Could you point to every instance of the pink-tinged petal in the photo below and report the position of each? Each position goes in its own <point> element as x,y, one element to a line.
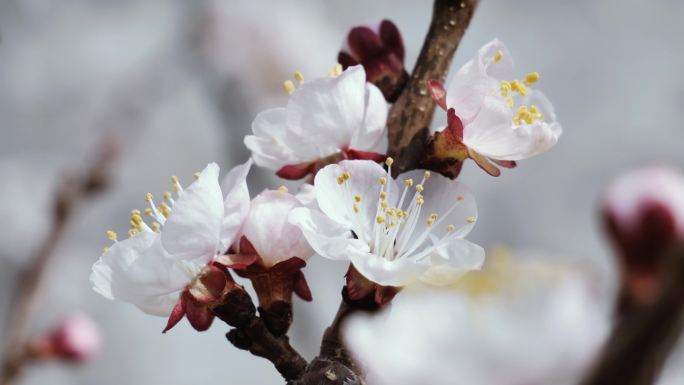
<point>325,113</point>
<point>267,227</point>
<point>451,260</point>
<point>269,144</point>
<point>193,228</point>
<point>328,238</point>
<point>295,171</point>
<point>479,77</point>
<point>484,163</point>
<point>236,261</point>
<point>199,315</point>
<point>438,93</point>
<point>391,38</point>
<point>364,43</point>
<point>301,287</point>
<point>365,155</point>
<point>177,314</point>
<point>235,203</point>
<point>372,129</point>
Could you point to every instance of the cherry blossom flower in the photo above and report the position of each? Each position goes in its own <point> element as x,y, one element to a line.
<point>644,216</point>
<point>392,236</point>
<point>77,338</point>
<point>326,120</point>
<point>379,47</point>
<point>534,324</point>
<point>168,268</point>
<point>273,252</point>
<point>493,117</point>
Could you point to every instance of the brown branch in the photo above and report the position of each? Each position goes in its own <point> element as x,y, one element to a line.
<point>411,115</point>
<point>28,287</point>
<point>251,334</point>
<point>643,339</point>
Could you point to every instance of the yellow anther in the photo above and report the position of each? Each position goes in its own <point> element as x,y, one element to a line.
<point>283,189</point>
<point>196,175</point>
<point>383,195</point>
<point>420,188</point>
<point>426,174</point>
<point>531,78</point>
<point>288,86</point>
<point>167,196</point>
<point>383,180</point>
<point>384,204</point>
<point>136,218</point>
<point>471,220</point>
<point>430,221</point>
<point>509,101</point>
<point>498,55</point>
<point>155,227</point>
<point>392,224</point>
<point>380,219</point>
<point>299,77</point>
<point>338,69</point>
<point>357,198</point>
<point>408,182</point>
<point>135,212</point>
<point>346,175</point>
<point>420,200</point>
<point>433,215</point>
<point>148,212</point>
<point>533,109</point>
<point>174,179</point>
<point>505,88</point>
<point>164,209</point>
<point>451,228</point>
<point>111,235</point>
<point>356,208</point>
<point>132,232</point>
<point>460,197</point>
<point>522,89</point>
<point>105,249</point>
<point>389,161</point>
<point>340,180</point>
<point>149,197</point>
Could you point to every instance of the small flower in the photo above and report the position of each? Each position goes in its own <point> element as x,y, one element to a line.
<point>326,120</point>
<point>644,215</point>
<point>493,117</point>
<point>167,268</point>
<point>533,323</point>
<point>393,231</point>
<point>274,252</point>
<point>76,338</point>
<point>379,47</point>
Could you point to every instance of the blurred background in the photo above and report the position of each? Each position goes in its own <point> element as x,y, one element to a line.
<point>177,84</point>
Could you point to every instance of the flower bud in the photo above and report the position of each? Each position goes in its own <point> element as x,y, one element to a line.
<point>76,339</point>
<point>380,49</point>
<point>644,216</point>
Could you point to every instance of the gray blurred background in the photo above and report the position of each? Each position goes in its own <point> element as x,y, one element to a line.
<point>178,83</point>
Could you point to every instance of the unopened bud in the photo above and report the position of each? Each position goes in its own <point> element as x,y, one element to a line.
<point>77,339</point>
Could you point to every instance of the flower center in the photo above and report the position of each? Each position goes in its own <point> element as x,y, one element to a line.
<point>393,229</point>
<point>523,113</point>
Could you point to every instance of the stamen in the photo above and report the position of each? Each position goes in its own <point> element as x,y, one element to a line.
<point>380,219</point>
<point>346,175</point>
<point>105,249</point>
<point>356,208</point>
<point>111,235</point>
<point>156,227</point>
<point>383,181</point>
<point>471,220</point>
<point>408,182</point>
<point>196,175</point>
<point>383,195</point>
<point>135,212</point>
<point>340,180</point>
<point>288,86</point>
<point>451,228</point>
<point>283,189</point>
<point>505,88</point>
<point>357,198</point>
<point>132,232</point>
<point>531,78</point>
<point>148,212</point>
<point>389,161</point>
<point>497,56</point>
<point>460,197</point>
<point>420,188</point>
<point>426,175</point>
<point>299,77</point>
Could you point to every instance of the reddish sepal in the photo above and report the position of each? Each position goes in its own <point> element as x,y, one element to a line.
<point>295,171</point>
<point>365,155</point>
<point>177,314</point>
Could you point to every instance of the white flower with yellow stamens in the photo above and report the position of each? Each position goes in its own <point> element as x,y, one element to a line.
<point>327,119</point>
<point>393,232</point>
<point>503,118</point>
<point>160,260</point>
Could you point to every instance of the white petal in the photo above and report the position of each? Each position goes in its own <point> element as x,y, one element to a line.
<point>269,143</point>
<point>267,228</point>
<point>400,272</point>
<point>307,195</point>
<point>235,203</point>
<point>337,200</point>
<point>192,230</point>
<point>328,111</point>
<point>478,78</point>
<point>137,271</point>
<point>328,238</point>
<point>493,134</point>
<point>451,260</point>
<point>374,121</point>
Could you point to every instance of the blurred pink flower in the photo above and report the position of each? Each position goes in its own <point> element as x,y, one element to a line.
<point>76,338</point>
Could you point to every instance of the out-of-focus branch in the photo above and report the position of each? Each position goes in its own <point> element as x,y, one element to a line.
<point>68,197</point>
<point>251,334</point>
<point>644,338</point>
<point>411,115</point>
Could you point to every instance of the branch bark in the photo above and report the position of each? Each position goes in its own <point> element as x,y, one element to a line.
<point>643,339</point>
<point>26,293</point>
<point>411,115</point>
